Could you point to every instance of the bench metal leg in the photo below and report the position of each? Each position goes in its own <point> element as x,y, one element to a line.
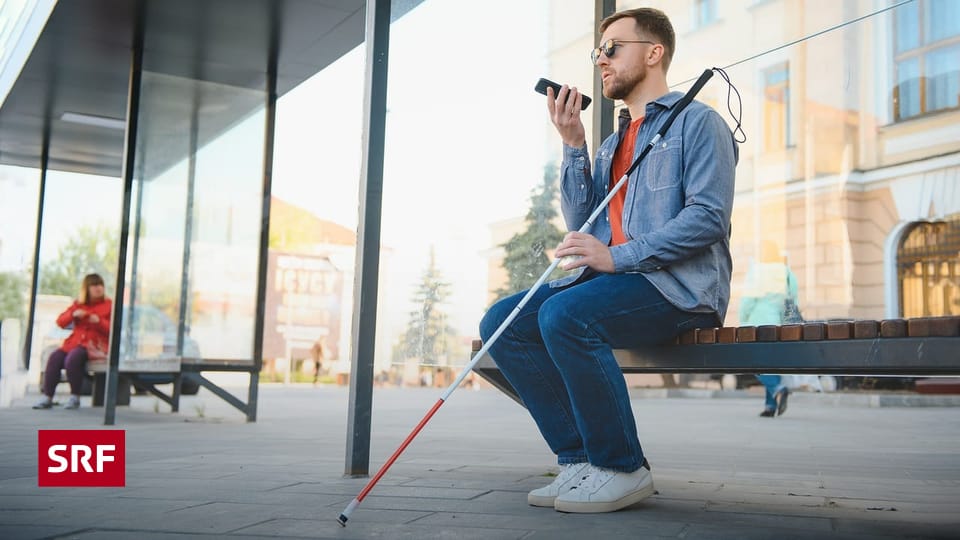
<point>99,388</point>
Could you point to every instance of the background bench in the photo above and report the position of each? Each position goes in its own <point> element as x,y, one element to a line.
<point>898,347</point>
<point>95,373</point>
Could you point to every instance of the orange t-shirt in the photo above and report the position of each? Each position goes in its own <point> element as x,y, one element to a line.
<point>622,159</point>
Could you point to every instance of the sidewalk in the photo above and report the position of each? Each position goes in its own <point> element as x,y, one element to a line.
<point>826,469</point>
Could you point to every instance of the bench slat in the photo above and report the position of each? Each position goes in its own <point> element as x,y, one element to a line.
<point>896,347</point>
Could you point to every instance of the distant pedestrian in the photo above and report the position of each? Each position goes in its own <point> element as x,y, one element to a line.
<point>317,353</point>
<point>770,297</point>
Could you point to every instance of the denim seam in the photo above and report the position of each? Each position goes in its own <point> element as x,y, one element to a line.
<point>571,426</point>
<point>609,384</point>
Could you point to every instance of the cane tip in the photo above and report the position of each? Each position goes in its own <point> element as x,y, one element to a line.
<point>342,520</point>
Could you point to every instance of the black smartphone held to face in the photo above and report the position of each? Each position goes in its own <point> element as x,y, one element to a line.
<point>543,84</point>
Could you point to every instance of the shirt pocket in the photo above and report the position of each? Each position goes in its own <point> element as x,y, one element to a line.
<point>664,164</point>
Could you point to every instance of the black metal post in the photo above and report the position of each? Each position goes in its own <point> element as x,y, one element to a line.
<point>602,108</point>
<point>187,242</point>
<point>35,277</point>
<point>365,287</point>
<point>270,123</point>
<point>129,159</point>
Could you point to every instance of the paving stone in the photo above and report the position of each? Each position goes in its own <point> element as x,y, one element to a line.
<point>835,466</point>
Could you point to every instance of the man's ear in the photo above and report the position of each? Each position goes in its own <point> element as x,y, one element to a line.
<point>655,55</point>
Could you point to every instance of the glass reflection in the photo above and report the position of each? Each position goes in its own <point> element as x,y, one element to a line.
<point>194,242</point>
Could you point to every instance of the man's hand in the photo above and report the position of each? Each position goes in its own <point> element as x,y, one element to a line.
<point>93,318</point>
<point>79,313</point>
<point>565,115</point>
<point>591,252</point>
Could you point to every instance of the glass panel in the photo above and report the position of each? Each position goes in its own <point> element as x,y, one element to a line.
<point>907,22</point>
<point>943,78</point>
<point>81,230</point>
<point>194,242</point>
<point>828,203</point>
<point>776,108</point>
<point>313,221</point>
<point>19,193</point>
<point>907,101</point>
<point>942,20</point>
<point>463,158</point>
<point>459,185</point>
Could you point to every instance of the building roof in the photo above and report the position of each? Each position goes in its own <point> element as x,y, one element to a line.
<point>208,57</point>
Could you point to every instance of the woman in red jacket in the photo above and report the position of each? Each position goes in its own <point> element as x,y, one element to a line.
<point>90,316</point>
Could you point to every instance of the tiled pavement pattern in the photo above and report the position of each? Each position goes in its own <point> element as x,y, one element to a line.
<point>833,466</point>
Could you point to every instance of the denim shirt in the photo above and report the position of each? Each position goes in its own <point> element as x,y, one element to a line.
<point>676,216</point>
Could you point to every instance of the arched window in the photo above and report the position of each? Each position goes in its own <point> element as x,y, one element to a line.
<point>928,268</point>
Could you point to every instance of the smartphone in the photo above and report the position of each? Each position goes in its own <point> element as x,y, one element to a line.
<point>543,84</point>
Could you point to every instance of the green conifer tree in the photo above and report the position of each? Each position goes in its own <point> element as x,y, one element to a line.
<point>428,334</point>
<point>526,256</point>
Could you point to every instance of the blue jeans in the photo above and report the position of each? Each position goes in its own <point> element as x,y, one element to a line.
<point>558,355</point>
<point>772,385</point>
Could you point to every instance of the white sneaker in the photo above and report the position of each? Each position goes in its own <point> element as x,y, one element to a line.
<point>603,490</point>
<point>44,403</point>
<point>569,476</point>
<point>73,402</point>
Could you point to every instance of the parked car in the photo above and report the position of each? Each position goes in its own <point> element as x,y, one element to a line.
<point>153,325</point>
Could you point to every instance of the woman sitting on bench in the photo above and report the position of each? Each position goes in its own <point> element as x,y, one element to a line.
<point>90,317</point>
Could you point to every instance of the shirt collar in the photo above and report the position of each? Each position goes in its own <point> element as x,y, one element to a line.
<point>666,101</point>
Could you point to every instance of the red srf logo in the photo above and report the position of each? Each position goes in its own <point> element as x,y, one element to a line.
<point>81,458</point>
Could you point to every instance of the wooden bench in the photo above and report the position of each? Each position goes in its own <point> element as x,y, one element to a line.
<point>898,347</point>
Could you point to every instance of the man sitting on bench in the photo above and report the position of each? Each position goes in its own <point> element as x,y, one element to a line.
<point>657,266</point>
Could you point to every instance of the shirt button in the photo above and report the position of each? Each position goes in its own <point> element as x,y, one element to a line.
<point>582,186</point>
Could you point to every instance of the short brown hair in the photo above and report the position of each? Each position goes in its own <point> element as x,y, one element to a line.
<point>649,21</point>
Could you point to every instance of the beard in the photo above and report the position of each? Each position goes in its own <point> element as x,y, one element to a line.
<point>619,87</point>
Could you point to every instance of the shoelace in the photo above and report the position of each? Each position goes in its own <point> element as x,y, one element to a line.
<point>593,478</point>
<point>568,471</point>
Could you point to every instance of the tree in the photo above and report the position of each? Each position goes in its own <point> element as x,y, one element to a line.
<point>13,288</point>
<point>428,334</point>
<point>90,250</point>
<point>526,256</point>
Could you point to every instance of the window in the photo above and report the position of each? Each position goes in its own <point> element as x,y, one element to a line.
<point>704,13</point>
<point>926,56</point>
<point>776,108</point>
<point>929,269</point>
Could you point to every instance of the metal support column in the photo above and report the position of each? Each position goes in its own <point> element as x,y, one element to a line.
<point>129,160</point>
<point>270,123</point>
<point>602,108</point>
<point>365,287</point>
<point>187,242</point>
<point>35,277</point>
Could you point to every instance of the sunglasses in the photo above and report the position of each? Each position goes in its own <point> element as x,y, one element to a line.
<point>609,47</point>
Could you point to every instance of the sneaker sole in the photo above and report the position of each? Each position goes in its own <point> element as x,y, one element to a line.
<point>540,500</point>
<point>577,507</point>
